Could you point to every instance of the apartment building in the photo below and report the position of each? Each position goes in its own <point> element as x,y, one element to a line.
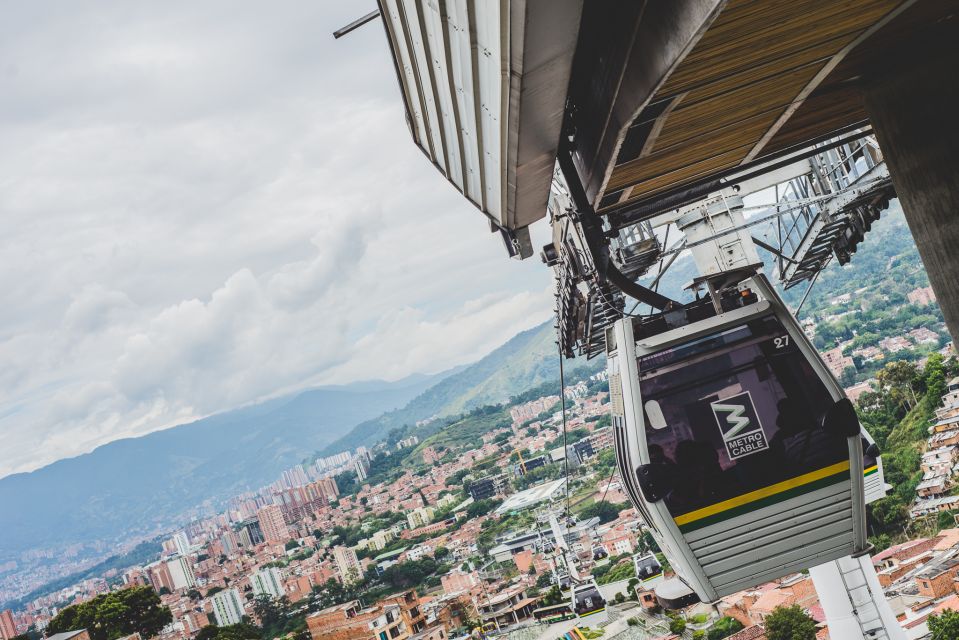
<point>227,607</point>
<point>268,582</point>
<point>347,565</point>
<point>396,618</point>
<point>272,524</point>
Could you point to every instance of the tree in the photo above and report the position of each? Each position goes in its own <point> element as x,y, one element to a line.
<point>899,377</point>
<point>677,625</point>
<point>649,542</point>
<point>631,587</point>
<point>208,632</point>
<point>553,596</point>
<point>790,623</point>
<point>607,512</point>
<point>848,376</point>
<point>409,574</point>
<point>242,631</point>
<point>945,626</point>
<point>456,479</point>
<point>347,483</point>
<point>115,614</point>
<point>270,610</point>
<point>331,593</point>
<point>724,627</point>
<point>481,507</point>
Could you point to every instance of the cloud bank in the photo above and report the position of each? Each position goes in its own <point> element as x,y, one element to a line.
<point>207,205</point>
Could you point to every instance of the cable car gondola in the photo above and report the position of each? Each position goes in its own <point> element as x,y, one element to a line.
<point>648,570</point>
<point>588,602</point>
<point>736,443</point>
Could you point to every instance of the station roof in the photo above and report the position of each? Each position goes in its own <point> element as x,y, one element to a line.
<point>532,496</point>
<point>66,635</point>
<point>753,78</point>
<point>389,555</point>
<point>657,96</point>
<point>484,85</point>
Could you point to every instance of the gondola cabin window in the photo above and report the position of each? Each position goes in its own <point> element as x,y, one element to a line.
<point>735,412</point>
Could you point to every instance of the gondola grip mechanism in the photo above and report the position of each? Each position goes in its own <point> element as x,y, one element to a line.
<point>841,419</point>
<point>654,481</point>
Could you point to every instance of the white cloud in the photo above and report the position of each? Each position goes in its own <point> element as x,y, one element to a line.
<point>207,203</point>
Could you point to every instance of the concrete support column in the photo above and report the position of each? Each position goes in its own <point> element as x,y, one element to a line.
<point>913,102</point>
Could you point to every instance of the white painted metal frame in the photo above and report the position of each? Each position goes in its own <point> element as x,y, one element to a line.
<point>673,542</point>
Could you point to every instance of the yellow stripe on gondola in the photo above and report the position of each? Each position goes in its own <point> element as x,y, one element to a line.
<point>760,494</point>
<point>874,468</point>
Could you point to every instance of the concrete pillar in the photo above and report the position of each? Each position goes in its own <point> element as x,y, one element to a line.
<point>912,98</point>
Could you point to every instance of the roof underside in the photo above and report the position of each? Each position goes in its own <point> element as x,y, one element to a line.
<point>663,95</point>
<point>761,77</point>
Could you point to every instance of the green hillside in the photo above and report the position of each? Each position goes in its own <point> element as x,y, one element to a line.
<point>530,358</point>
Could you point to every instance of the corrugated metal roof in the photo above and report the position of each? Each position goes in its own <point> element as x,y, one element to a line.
<point>484,83</point>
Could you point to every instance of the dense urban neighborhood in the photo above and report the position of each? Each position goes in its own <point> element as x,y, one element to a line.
<point>444,527</point>
<point>449,534</point>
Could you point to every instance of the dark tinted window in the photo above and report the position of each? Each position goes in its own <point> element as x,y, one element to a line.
<point>867,460</point>
<point>735,411</point>
<point>647,567</point>
<point>587,598</point>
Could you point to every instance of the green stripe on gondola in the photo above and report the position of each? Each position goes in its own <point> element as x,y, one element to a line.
<point>765,502</point>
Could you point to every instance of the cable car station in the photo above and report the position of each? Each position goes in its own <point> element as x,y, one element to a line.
<point>642,130</point>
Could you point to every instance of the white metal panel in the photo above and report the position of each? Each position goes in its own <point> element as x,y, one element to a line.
<point>461,62</point>
<point>437,42</point>
<point>411,16</point>
<point>407,75</point>
<point>838,583</point>
<point>485,83</point>
<point>492,74</point>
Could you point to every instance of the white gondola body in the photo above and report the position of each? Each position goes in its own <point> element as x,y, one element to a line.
<point>759,490</point>
<point>588,604</point>
<point>649,571</point>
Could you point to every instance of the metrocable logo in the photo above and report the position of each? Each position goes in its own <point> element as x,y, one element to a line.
<point>739,425</point>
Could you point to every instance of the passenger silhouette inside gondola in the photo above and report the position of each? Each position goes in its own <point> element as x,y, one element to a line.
<point>801,441</point>
<point>698,480</point>
<point>658,456</point>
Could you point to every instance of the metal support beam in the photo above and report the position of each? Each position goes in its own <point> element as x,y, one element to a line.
<point>356,24</point>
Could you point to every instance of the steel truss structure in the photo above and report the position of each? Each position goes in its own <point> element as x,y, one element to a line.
<point>826,199</point>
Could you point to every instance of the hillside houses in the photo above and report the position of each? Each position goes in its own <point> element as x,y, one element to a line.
<point>940,461</point>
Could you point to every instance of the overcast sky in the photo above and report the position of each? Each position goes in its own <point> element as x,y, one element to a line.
<point>206,203</point>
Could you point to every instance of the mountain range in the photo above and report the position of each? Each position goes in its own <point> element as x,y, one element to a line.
<point>137,487</point>
<point>527,360</point>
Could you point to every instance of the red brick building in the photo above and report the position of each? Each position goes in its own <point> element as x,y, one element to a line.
<point>395,618</point>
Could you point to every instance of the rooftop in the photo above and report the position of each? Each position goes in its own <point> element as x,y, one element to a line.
<point>66,635</point>
<point>532,496</point>
<point>891,551</point>
<point>943,564</point>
